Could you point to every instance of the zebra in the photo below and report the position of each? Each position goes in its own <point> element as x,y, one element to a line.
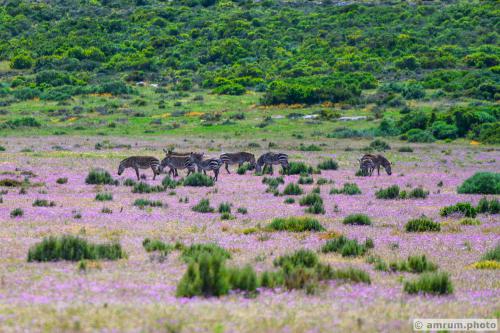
<point>178,162</point>
<point>237,158</point>
<point>272,158</point>
<point>378,161</point>
<point>140,162</point>
<point>213,164</point>
<point>366,166</point>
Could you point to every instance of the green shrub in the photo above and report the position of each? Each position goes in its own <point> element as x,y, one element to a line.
<point>481,183</point>
<point>273,183</point>
<point>493,254</point>
<point>289,200</point>
<point>129,182</point>
<point>329,164</point>
<point>310,199</point>
<point>422,224</point>
<point>168,182</point>
<point>464,208</point>
<point>437,283</point>
<point>355,275</point>
<point>227,216</point>
<point>347,247</point>
<point>141,203</point>
<point>322,181</point>
<point>316,208</point>
<point>357,219</point>
<point>230,89</point>
<point>243,168</point>
<point>302,257</point>
<point>299,168</point>
<point>292,189</point>
<point>392,192</point>
<point>295,224</point>
<point>418,193</point>
<point>242,210</point>
<point>203,206</point>
<point>99,177</point>
<point>224,207</point>
<point>142,187</point>
<point>17,212</point>
<point>73,249</point>
<point>43,203</point>
<point>62,180</point>
<point>198,179</point>
<point>243,279</point>
<point>349,189</point>
<point>305,180</point>
<point>153,245</point>
<point>311,147</point>
<point>379,145</point>
<point>205,277</point>
<point>196,251</point>
<point>419,136</point>
<point>21,61</point>
<point>405,149</point>
<point>414,264</point>
<point>104,197</point>
<point>470,221</point>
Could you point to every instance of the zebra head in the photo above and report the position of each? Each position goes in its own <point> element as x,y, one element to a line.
<point>387,167</point>
<point>163,164</point>
<point>121,168</point>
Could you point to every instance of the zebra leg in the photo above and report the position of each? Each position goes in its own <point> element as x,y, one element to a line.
<point>216,174</point>
<point>227,168</point>
<point>137,173</point>
<point>154,173</point>
<point>378,170</point>
<point>272,171</point>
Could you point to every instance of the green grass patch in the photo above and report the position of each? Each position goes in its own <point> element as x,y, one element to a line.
<point>295,224</point>
<point>357,219</point>
<point>435,283</point>
<point>422,224</point>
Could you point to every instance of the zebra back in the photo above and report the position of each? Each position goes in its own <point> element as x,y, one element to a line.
<point>237,158</point>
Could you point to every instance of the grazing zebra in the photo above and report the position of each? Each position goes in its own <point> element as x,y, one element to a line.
<point>238,158</point>
<point>270,159</point>
<point>140,162</point>
<point>179,162</point>
<point>366,166</point>
<point>378,161</point>
<point>213,164</point>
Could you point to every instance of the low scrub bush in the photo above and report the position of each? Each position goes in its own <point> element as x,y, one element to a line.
<point>481,183</point>
<point>413,264</point>
<point>224,207</point>
<point>203,206</point>
<point>129,182</point>
<point>273,183</point>
<point>436,283</point>
<point>352,274</point>
<point>142,187</point>
<point>464,208</point>
<point>244,279</point>
<point>316,208</point>
<point>299,168</point>
<point>17,212</point>
<point>392,192</point>
<point>43,203</point>
<point>196,251</point>
<point>142,203</point>
<point>379,145</point>
<point>295,224</point>
<point>292,189</point>
<point>100,177</point>
<point>347,247</point>
<point>242,210</point>
<point>349,189</point>
<point>153,245</point>
<point>310,199</point>
<point>198,179</point>
<point>357,219</point>
<point>329,164</point>
<point>62,180</point>
<point>493,254</point>
<point>289,200</point>
<point>322,181</point>
<point>418,193</point>
<point>104,197</point>
<point>305,180</point>
<point>170,183</point>
<point>405,149</point>
<point>488,206</point>
<point>422,224</point>
<point>470,221</point>
<point>73,249</point>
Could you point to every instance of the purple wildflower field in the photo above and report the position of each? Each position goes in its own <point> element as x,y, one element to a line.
<point>138,294</point>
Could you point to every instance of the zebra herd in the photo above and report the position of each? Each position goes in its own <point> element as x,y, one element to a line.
<point>192,161</point>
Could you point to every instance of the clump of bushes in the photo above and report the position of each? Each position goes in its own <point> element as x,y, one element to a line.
<point>273,183</point>
<point>129,182</point>
<point>316,208</point>
<point>329,164</point>
<point>314,203</point>
<point>493,254</point>
<point>100,177</point>
<point>295,224</point>
<point>196,251</point>
<point>348,188</point>
<point>379,145</point>
<point>418,193</point>
<point>244,168</point>
<point>305,180</point>
<point>104,197</point>
<point>413,264</point>
<point>154,245</point>
<point>62,180</point>
<point>224,207</point>
<point>141,203</point>
<point>43,203</point>
<point>436,283</point>
<point>405,149</point>
<point>357,219</point>
<point>73,248</point>
<point>481,183</point>
<point>203,206</point>
<point>292,189</point>
<point>170,183</point>
<point>17,212</point>
<point>394,192</point>
<point>198,179</point>
<point>422,224</point>
<point>469,221</point>
<point>347,247</point>
<point>142,187</point>
<point>299,168</point>
<point>289,200</point>
<point>488,206</point>
<point>464,208</point>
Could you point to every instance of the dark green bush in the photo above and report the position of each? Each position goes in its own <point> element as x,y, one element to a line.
<point>196,251</point>
<point>203,206</point>
<point>17,212</point>
<point>392,192</point>
<point>168,182</point>
<point>43,203</point>
<point>224,207</point>
<point>419,136</point>
<point>357,219</point>
<point>347,247</point>
<point>142,187</point>
<point>230,89</point>
<point>141,203</point>
<point>289,200</point>
<point>292,189</point>
<point>355,275</point>
<point>99,177</point>
<point>481,183</point>
<point>422,224</point>
<point>295,224</point>
<point>243,279</point>
<point>104,197</point>
<point>62,180</point>
<point>405,149</point>
<point>437,283</point>
<point>349,189</point>
<point>329,164</point>
<point>299,168</point>
<point>152,245</point>
<point>198,179</point>
<point>464,208</point>
<point>316,208</point>
<point>305,180</point>
<point>302,257</point>
<point>129,182</point>
<point>73,249</point>
<point>311,147</point>
<point>310,199</point>
<point>379,145</point>
<point>493,254</point>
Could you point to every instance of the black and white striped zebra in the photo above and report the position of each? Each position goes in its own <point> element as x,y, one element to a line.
<point>270,159</point>
<point>140,162</point>
<point>211,164</point>
<point>366,166</point>
<point>237,158</point>
<point>378,161</point>
<point>179,161</point>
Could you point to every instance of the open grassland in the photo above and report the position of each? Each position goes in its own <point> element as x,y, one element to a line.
<point>138,293</point>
